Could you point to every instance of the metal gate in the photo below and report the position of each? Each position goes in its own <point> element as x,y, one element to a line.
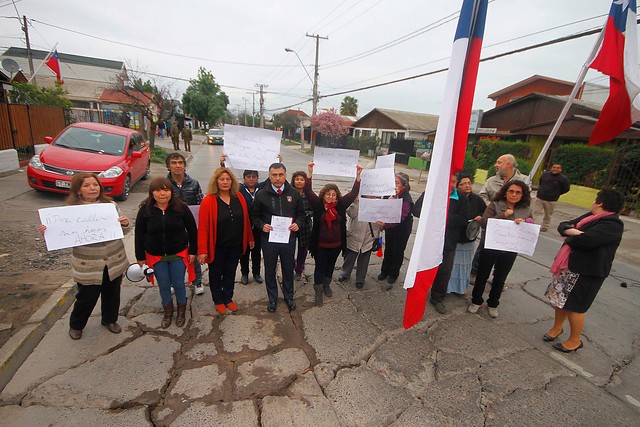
<point>23,126</point>
<point>624,176</point>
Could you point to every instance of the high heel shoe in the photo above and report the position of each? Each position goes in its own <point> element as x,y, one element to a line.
<point>563,349</point>
<point>549,338</point>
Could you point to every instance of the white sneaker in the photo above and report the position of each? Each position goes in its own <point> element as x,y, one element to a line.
<point>473,308</point>
<point>199,289</point>
<point>493,312</point>
<point>173,291</point>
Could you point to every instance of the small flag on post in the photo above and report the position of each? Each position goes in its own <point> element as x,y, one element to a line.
<point>618,59</point>
<point>447,158</point>
<point>379,253</point>
<point>54,65</point>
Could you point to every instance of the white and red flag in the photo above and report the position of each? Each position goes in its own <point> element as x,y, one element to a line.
<point>618,58</point>
<point>447,157</point>
<point>54,65</point>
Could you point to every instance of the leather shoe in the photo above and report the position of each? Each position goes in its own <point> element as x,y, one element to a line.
<point>382,276</point>
<point>560,347</point>
<point>391,280</point>
<point>257,278</point>
<point>244,279</point>
<point>271,307</point>
<point>114,328</point>
<point>440,307</point>
<point>549,338</point>
<point>291,304</point>
<point>75,334</point>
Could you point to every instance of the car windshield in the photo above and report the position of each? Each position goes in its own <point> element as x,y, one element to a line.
<point>92,140</point>
<point>215,132</point>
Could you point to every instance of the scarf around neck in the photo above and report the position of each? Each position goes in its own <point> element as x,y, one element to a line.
<point>330,214</point>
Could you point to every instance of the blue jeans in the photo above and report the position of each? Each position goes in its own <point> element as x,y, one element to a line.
<point>168,274</point>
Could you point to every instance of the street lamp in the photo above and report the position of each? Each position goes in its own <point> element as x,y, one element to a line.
<point>286,49</point>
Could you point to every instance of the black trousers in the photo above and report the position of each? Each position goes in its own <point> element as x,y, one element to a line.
<point>325,264</point>
<point>441,281</point>
<point>394,246</point>
<point>222,273</point>
<point>254,254</point>
<point>87,297</point>
<point>271,252</point>
<point>501,262</point>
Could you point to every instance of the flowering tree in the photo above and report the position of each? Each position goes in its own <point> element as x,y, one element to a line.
<point>329,124</point>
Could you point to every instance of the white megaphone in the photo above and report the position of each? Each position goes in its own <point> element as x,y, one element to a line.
<point>135,273</point>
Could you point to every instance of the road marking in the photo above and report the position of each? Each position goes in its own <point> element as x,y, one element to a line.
<point>633,401</point>
<point>571,365</point>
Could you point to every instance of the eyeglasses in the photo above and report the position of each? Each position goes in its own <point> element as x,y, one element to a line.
<point>514,191</point>
<point>464,183</point>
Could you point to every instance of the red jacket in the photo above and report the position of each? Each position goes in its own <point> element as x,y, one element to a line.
<point>208,226</point>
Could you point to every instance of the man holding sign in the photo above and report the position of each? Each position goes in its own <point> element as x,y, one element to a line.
<point>278,199</point>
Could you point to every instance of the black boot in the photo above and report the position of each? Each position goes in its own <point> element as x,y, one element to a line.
<point>168,315</point>
<point>327,286</point>
<point>318,289</point>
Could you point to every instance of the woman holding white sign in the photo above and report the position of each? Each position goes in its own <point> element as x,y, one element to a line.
<point>329,232</point>
<point>511,203</point>
<point>97,268</point>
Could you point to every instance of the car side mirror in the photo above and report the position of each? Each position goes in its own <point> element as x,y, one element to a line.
<point>48,139</point>
<point>136,155</point>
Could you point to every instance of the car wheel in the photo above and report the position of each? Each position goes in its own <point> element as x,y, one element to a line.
<point>147,172</point>
<point>125,190</point>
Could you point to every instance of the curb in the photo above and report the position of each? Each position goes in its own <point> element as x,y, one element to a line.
<point>19,347</point>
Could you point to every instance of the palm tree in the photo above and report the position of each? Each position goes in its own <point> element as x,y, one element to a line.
<point>349,106</point>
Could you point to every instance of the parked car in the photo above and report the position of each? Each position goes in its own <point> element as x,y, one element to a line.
<point>120,156</point>
<point>215,136</point>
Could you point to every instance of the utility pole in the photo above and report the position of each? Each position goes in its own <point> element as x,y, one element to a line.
<point>253,108</point>
<point>315,73</point>
<point>261,86</point>
<point>29,55</point>
<point>245,110</point>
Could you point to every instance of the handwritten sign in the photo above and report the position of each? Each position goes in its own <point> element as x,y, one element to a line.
<point>280,232</point>
<point>79,225</point>
<point>335,161</point>
<point>505,235</point>
<point>251,148</point>
<point>377,182</point>
<point>385,210</point>
<point>388,161</point>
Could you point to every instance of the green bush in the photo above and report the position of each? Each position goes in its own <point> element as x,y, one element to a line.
<point>362,143</point>
<point>158,154</point>
<point>470,165</point>
<point>583,164</point>
<point>487,151</point>
<point>524,166</point>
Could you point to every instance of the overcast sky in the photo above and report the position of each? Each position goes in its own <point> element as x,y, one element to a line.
<point>242,43</point>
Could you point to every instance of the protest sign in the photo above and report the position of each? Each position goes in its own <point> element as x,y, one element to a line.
<point>251,148</point>
<point>280,232</point>
<point>506,235</point>
<point>386,210</point>
<point>377,182</point>
<point>388,161</point>
<point>335,161</point>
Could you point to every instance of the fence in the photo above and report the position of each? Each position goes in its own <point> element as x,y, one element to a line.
<point>624,175</point>
<point>23,126</point>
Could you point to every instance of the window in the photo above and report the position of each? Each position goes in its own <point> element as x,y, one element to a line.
<point>366,133</point>
<point>400,135</point>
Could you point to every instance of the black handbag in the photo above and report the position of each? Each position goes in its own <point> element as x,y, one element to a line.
<point>376,242</point>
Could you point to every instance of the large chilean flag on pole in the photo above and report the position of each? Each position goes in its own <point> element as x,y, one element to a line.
<point>447,157</point>
<point>618,58</point>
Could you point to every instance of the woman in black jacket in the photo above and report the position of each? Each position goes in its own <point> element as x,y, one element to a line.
<point>329,231</point>
<point>166,239</point>
<point>582,264</point>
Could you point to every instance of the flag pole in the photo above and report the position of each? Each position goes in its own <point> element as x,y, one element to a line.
<point>567,105</point>
<point>46,58</point>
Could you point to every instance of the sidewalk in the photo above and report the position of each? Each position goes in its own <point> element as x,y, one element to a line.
<point>346,363</point>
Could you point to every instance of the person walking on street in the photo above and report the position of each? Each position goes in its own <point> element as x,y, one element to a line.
<point>175,136</point>
<point>166,240</point>
<point>553,184</point>
<point>224,234</point>
<point>188,190</point>
<point>329,232</point>
<point>278,198</point>
<point>187,136</point>
<point>97,268</point>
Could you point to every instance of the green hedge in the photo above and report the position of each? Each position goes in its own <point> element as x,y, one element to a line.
<point>470,165</point>
<point>584,165</point>
<point>362,143</point>
<point>487,151</point>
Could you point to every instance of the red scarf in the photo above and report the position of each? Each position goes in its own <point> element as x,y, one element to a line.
<point>331,213</point>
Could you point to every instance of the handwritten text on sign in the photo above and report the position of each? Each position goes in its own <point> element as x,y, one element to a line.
<point>335,161</point>
<point>78,225</point>
<point>251,148</point>
<point>505,235</point>
<point>377,182</point>
<point>386,210</point>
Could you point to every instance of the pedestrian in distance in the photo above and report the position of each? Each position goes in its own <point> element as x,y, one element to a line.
<point>249,188</point>
<point>166,240</point>
<point>96,268</point>
<point>582,264</point>
<point>329,231</point>
<point>511,203</point>
<point>278,198</point>
<point>187,137</point>
<point>553,184</point>
<point>299,180</point>
<point>188,190</point>
<point>175,136</point>
<point>360,239</point>
<point>224,234</point>
<point>397,235</point>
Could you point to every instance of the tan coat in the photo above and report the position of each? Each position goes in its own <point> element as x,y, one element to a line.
<point>359,238</point>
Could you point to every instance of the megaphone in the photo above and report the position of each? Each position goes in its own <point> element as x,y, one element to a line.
<point>135,273</point>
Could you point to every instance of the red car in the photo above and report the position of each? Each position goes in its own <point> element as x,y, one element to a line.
<point>120,156</point>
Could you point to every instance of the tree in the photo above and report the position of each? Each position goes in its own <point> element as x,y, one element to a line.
<point>30,94</point>
<point>349,106</point>
<point>204,100</point>
<point>329,124</point>
<point>288,121</point>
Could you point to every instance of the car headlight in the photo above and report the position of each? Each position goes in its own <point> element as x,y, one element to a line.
<point>35,162</point>
<point>112,172</point>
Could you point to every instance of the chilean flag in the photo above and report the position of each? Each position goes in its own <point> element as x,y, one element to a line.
<point>54,64</point>
<point>447,157</point>
<point>618,58</point>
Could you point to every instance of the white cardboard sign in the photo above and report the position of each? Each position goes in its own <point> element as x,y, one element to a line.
<point>506,235</point>
<point>280,232</point>
<point>250,148</point>
<point>377,182</point>
<point>388,161</point>
<point>335,161</point>
<point>386,210</point>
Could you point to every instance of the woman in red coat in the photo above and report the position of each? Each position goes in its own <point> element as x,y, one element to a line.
<point>224,233</point>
